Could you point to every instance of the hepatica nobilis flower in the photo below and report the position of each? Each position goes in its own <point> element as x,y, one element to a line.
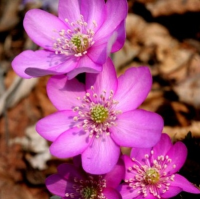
<point>151,173</point>
<point>97,118</point>
<point>78,40</point>
<point>73,182</point>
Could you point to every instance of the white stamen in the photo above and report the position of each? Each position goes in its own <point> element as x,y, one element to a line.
<point>75,40</point>
<point>96,113</point>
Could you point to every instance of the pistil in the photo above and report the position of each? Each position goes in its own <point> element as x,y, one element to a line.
<point>99,113</point>
<point>152,176</point>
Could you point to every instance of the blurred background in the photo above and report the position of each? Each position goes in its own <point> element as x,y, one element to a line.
<point>161,34</point>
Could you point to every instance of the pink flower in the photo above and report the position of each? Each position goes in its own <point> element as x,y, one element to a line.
<point>73,182</point>
<point>151,173</point>
<point>97,118</point>
<point>78,40</point>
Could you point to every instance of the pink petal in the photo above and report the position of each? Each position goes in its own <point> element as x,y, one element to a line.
<point>42,27</point>
<point>133,88</point>
<point>68,9</point>
<point>137,128</point>
<point>178,154</point>
<point>70,143</point>
<point>111,193</point>
<point>127,192</point>
<point>39,63</point>
<point>53,125</point>
<point>98,53</point>
<point>69,172</point>
<point>68,65</point>
<point>184,184</point>
<point>56,185</point>
<point>149,196</point>
<point>163,146</point>
<point>85,65</point>
<point>139,154</point>
<point>106,80</point>
<point>63,93</point>
<point>128,163</point>
<point>115,176</point>
<point>173,191</point>
<point>121,37</point>
<point>119,12</point>
<point>101,156</point>
<point>93,10</point>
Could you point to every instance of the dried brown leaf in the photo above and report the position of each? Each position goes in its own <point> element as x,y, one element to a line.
<point>18,90</point>
<point>10,15</point>
<point>178,133</point>
<point>125,55</point>
<point>189,90</point>
<point>168,7</point>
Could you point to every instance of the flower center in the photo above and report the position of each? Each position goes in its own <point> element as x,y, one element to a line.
<point>90,188</point>
<point>99,113</point>
<point>152,176</point>
<point>88,193</point>
<point>75,40</point>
